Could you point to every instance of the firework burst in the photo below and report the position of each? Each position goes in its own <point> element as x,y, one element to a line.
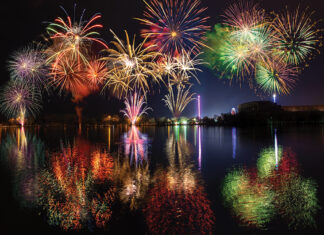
<point>135,107</point>
<point>133,65</point>
<point>96,72</point>
<point>72,39</point>
<point>28,64</point>
<point>177,104</point>
<point>174,26</point>
<point>276,77</point>
<point>296,36</point>
<point>245,18</point>
<point>68,76</point>
<point>19,99</point>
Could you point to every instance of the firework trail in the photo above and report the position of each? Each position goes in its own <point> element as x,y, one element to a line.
<point>135,107</point>
<point>177,104</point>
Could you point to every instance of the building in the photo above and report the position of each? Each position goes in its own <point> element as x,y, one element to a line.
<point>258,106</point>
<point>303,108</point>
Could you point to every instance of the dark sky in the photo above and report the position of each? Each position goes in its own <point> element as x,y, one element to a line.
<point>23,22</point>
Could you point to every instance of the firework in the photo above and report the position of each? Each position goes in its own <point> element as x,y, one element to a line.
<point>174,26</point>
<point>28,64</point>
<point>72,40</point>
<point>177,104</point>
<point>187,64</point>
<point>134,65</point>
<point>68,76</point>
<point>96,72</point>
<point>245,18</point>
<point>19,99</point>
<point>275,77</point>
<point>116,83</point>
<point>296,36</point>
<point>180,69</point>
<point>134,107</point>
<point>229,57</point>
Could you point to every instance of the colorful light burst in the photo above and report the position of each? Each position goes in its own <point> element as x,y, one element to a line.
<point>177,104</point>
<point>72,39</point>
<point>246,18</point>
<point>135,107</point>
<point>275,77</point>
<point>19,99</point>
<point>174,26</point>
<point>133,66</point>
<point>251,45</point>
<point>297,37</point>
<point>29,65</point>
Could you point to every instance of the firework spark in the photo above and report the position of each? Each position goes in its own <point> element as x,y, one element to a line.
<point>72,40</point>
<point>174,25</point>
<point>96,72</point>
<point>275,77</point>
<point>177,104</point>
<point>296,36</point>
<point>133,65</point>
<point>19,99</point>
<point>245,18</point>
<point>135,107</point>
<point>28,64</point>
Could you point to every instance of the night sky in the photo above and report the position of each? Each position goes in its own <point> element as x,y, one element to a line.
<point>24,22</point>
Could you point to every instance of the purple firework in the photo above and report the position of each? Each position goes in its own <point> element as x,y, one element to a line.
<point>29,64</point>
<point>19,99</point>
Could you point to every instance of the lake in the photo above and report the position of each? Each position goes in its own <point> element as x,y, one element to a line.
<point>162,180</point>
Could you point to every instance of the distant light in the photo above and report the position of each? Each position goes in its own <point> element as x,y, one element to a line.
<point>199,114</point>
<point>233,111</point>
<point>274,98</point>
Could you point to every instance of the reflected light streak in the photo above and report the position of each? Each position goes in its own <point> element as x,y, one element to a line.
<point>276,148</point>
<point>199,114</point>
<point>135,145</point>
<point>234,142</point>
<point>199,148</point>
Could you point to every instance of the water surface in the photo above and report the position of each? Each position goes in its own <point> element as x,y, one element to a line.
<point>180,180</point>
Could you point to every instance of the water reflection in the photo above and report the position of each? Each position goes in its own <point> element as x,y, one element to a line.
<point>92,183</point>
<point>75,192</point>
<point>24,153</point>
<point>135,145</point>
<point>255,196</point>
<point>132,170</point>
<point>177,202</point>
<point>233,142</point>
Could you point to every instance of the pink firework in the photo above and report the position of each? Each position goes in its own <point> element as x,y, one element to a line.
<point>134,107</point>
